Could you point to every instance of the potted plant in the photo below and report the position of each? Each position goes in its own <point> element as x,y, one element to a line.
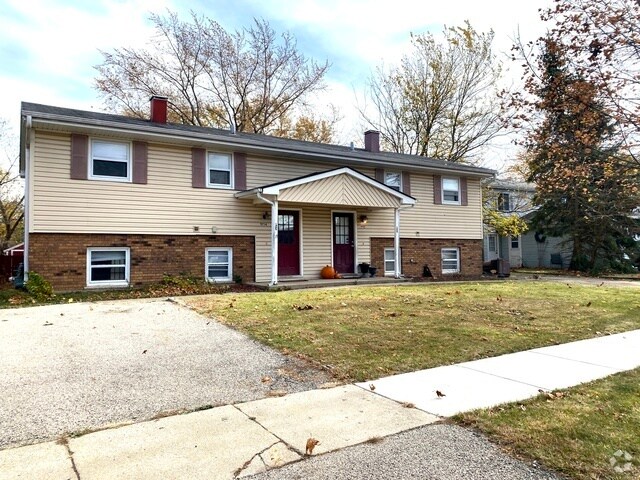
<point>364,268</point>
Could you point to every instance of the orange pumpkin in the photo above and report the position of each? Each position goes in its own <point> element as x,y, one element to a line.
<point>328,272</point>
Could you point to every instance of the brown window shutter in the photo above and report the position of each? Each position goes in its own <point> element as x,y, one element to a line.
<point>380,175</point>
<point>139,169</point>
<point>463,191</point>
<point>198,168</point>
<point>240,170</point>
<point>79,156</point>
<point>406,183</point>
<point>437,189</point>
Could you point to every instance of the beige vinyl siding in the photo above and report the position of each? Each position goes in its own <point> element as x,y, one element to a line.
<point>168,204</point>
<point>427,220</point>
<point>339,190</point>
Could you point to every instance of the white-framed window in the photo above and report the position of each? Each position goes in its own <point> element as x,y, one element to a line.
<point>110,160</point>
<point>390,261</point>
<point>450,260</point>
<point>108,266</point>
<point>515,242</point>
<point>451,190</point>
<point>219,264</point>
<point>492,241</point>
<point>393,179</point>
<point>219,170</point>
<point>504,204</point>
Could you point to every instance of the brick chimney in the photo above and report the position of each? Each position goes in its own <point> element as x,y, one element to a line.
<point>158,109</point>
<point>372,141</point>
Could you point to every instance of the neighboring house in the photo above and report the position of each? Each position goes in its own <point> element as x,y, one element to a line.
<point>531,249</point>
<point>116,201</point>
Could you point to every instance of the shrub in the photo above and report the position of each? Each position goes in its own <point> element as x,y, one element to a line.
<point>39,288</point>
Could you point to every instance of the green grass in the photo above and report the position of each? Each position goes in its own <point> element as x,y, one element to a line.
<point>367,332</point>
<point>576,434</point>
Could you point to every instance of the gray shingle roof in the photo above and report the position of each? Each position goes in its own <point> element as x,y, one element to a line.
<point>280,146</point>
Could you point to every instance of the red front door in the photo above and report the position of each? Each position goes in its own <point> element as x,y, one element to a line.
<point>343,243</point>
<point>288,243</point>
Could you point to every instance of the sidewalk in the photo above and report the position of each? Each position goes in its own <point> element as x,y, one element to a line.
<point>242,439</point>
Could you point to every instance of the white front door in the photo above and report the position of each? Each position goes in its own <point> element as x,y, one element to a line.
<point>491,252</point>
<point>515,252</point>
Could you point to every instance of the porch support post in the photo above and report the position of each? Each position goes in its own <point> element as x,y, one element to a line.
<point>396,244</point>
<point>274,242</point>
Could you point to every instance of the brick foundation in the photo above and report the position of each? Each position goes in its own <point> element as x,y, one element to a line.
<point>62,258</point>
<point>418,252</point>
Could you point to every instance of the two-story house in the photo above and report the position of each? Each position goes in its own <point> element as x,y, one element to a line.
<point>117,201</point>
<point>531,249</point>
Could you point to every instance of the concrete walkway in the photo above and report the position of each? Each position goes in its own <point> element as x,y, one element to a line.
<point>513,377</point>
<point>247,438</point>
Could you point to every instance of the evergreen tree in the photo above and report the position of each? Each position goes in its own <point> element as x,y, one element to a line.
<point>586,189</point>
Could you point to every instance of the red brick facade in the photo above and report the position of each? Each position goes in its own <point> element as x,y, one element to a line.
<point>418,252</point>
<point>61,258</point>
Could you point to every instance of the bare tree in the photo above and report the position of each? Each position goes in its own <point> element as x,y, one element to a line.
<point>249,79</point>
<point>442,100</point>
<point>11,192</point>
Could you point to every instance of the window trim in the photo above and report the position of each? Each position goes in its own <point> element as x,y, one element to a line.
<point>108,178</point>
<point>501,207</point>
<point>228,186</point>
<point>449,270</point>
<point>228,278</point>
<point>450,202</point>
<point>394,172</point>
<point>384,261</point>
<point>109,283</point>
<point>517,240</point>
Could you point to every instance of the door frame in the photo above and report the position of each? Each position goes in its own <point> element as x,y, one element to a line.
<point>519,249</point>
<point>300,246</point>
<point>355,236</point>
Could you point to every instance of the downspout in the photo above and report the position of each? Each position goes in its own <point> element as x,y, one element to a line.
<point>396,241</point>
<point>27,179</point>
<point>274,238</point>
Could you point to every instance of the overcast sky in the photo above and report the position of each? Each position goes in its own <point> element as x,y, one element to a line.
<point>48,48</point>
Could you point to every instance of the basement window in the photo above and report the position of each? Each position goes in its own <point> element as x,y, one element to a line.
<point>450,260</point>
<point>390,261</point>
<point>219,264</point>
<point>108,266</point>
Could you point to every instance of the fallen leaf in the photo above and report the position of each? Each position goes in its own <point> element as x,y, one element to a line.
<point>372,387</point>
<point>311,444</point>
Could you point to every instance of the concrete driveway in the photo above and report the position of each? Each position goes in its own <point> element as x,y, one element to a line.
<point>75,367</point>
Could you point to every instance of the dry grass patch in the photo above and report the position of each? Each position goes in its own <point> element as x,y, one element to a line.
<point>368,332</point>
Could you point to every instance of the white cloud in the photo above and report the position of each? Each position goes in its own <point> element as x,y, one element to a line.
<point>60,40</point>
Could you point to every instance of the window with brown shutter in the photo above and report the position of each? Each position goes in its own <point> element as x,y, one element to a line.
<point>240,170</point>
<point>437,189</point>
<point>139,167</point>
<point>406,183</point>
<point>79,156</point>
<point>198,168</point>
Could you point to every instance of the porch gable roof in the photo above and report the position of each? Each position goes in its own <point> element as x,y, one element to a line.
<point>340,186</point>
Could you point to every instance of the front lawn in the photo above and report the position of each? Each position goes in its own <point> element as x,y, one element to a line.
<point>363,333</point>
<point>592,431</point>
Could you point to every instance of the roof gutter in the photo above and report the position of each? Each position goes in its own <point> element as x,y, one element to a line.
<point>159,133</point>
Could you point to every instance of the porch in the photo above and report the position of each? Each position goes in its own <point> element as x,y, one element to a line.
<point>302,283</point>
<point>323,219</point>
